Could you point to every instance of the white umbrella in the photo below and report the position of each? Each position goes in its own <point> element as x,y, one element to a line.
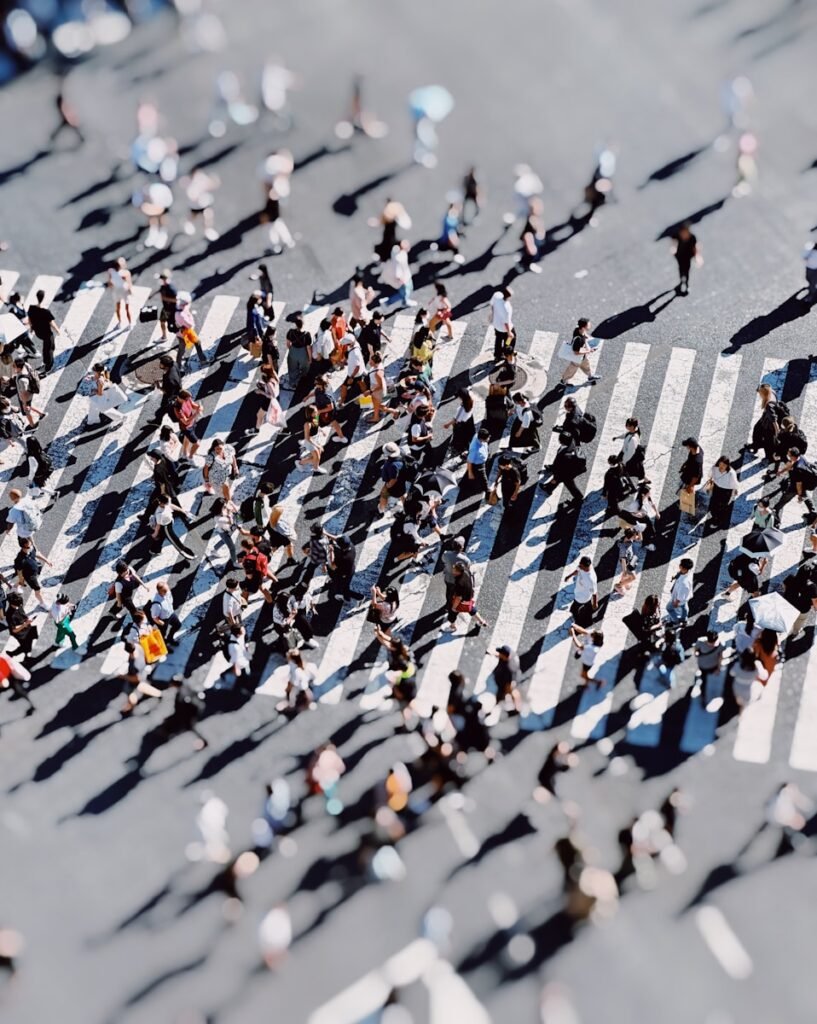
<point>10,328</point>
<point>773,611</point>
<point>431,101</point>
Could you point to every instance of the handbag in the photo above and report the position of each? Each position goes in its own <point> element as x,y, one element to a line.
<point>189,337</point>
<point>466,607</point>
<point>147,314</point>
<point>687,501</point>
<point>567,354</point>
<point>493,497</point>
<point>255,349</point>
<point>154,646</point>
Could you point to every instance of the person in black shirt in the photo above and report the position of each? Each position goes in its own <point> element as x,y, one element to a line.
<point>564,468</point>
<point>692,470</point>
<point>170,385</point>
<point>168,293</point>
<point>44,327</point>
<point>27,566</point>
<point>686,249</point>
<point>572,423</point>
<point>371,336</point>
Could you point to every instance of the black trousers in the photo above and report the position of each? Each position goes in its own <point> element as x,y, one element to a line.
<point>572,488</point>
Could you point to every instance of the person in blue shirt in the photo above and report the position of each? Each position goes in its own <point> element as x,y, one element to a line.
<point>449,240</point>
<point>478,459</point>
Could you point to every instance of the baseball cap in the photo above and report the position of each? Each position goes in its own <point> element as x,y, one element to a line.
<point>505,649</point>
<point>164,273</point>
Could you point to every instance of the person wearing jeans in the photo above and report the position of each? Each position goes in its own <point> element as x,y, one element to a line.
<point>678,606</point>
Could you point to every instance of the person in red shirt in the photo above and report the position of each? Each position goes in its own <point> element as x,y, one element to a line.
<point>256,571</point>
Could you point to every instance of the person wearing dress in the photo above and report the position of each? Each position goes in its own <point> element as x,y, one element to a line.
<point>723,489</point>
<point>220,469</point>
<point>121,285</point>
<point>462,423</point>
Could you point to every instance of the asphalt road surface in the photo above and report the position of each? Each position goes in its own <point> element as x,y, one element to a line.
<point>120,925</point>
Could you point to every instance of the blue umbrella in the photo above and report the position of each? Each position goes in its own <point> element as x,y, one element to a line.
<point>433,102</point>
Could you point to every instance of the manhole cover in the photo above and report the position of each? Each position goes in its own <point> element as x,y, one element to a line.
<point>530,376</point>
<point>149,372</point>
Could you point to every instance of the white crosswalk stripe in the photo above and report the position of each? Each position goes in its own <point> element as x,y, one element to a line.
<point>551,664</point>
<point>758,725</point>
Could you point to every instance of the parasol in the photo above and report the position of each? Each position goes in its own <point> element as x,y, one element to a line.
<point>433,102</point>
<point>10,328</point>
<point>762,542</point>
<point>773,611</point>
<point>439,480</point>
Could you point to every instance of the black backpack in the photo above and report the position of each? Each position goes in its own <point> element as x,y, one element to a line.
<point>587,428</point>
<point>9,428</point>
<point>807,474</point>
<point>33,381</point>
<point>781,411</point>
<point>246,510</point>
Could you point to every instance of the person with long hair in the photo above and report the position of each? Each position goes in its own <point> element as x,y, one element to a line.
<point>461,423</point>
<point>440,311</point>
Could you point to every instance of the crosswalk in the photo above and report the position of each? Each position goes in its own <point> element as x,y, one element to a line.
<point>104,484</point>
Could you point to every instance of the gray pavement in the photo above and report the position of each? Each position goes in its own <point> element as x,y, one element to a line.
<point>118,922</point>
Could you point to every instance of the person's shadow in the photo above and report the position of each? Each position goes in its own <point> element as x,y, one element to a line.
<point>635,316</point>
<point>758,327</point>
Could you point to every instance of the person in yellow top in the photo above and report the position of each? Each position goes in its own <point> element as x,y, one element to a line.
<point>422,346</point>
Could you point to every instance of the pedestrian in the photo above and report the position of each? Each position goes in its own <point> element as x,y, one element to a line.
<point>13,674</point>
<point>531,237</point>
<point>255,563</point>
<point>678,607</point>
<point>685,249</point>
<point>40,467</point>
<point>767,427</point>
<point>789,435</point>
<point>27,566</point>
<point>188,707</point>
<point>269,411</point>
<point>199,188</point>
<point>384,607</point>
<point>509,481</point>
<point>745,571</point>
<point>105,398</point>
<point>709,651</point>
<point>281,532</point>
<point>391,475</point>
<point>525,425</point>
<point>299,351</point>
<point>124,589</point>
<point>449,240</point>
<point>168,296</point>
<point>121,284</point>
<point>238,654</point>
<point>327,411</point>
<point>763,515</point>
<point>472,192</point>
<point>404,535</point>
<point>187,412</point>
<point>461,423</point>
<point>264,279</point>
<point>24,515</point>
<point>401,670</point>
<point>376,387</point>
<point>220,471</point>
<point>421,434</point>
<point>585,592</point>
<point>802,481</point>
<point>397,276</point>
<point>507,676</point>
<point>359,298</point>
<point>502,322</point>
<point>581,348</point>
<point>340,568</point>
<point>632,451</point>
<point>62,611</point>
<point>21,627</point>
<point>767,649</point>
<point>641,512</point>
<point>723,489</point>
<point>588,643</point>
<point>11,426</point>
<point>279,234</point>
<point>371,337</point>
<point>45,327</point>
<point>162,528</point>
<point>566,466</point>
<point>233,604</point>
<point>628,563</point>
<point>692,468</point>
<point>186,334</point>
<point>170,384</point>
<point>314,440</point>
<point>163,614</point>
<point>421,350</point>
<point>256,324</point>
<point>301,677</point>
<point>440,311</point>
<point>810,260</point>
<point>475,467</point>
<point>27,382</point>
<point>744,672</point>
<point>614,488</point>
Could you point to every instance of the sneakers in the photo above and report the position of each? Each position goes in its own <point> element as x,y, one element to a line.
<point>311,644</point>
<point>341,440</point>
<point>594,379</point>
<point>319,470</point>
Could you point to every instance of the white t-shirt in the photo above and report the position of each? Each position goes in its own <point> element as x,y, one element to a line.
<point>524,414</point>
<point>230,606</point>
<point>585,586</point>
<point>630,445</point>
<point>161,607</point>
<point>163,516</point>
<point>326,344</point>
<point>501,312</point>
<point>15,517</point>
<point>354,362</point>
<point>682,588</point>
<point>588,655</point>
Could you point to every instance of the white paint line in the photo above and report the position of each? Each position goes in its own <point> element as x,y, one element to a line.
<point>724,945</point>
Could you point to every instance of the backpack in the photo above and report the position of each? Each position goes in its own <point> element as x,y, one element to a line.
<point>9,427</point>
<point>258,511</point>
<point>808,475</point>
<point>587,428</point>
<point>33,381</point>
<point>246,509</point>
<point>32,517</point>
<point>781,411</point>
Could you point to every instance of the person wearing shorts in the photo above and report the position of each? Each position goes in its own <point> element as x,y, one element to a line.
<point>187,412</point>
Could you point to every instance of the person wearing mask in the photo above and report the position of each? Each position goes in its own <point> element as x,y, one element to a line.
<point>585,592</point>
<point>681,592</point>
<point>581,349</point>
<point>502,322</point>
<point>723,489</point>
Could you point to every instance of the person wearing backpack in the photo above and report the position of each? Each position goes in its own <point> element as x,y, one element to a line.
<point>24,515</point>
<point>566,466</point>
<point>40,468</point>
<point>28,385</point>
<point>526,423</point>
<point>790,436</point>
<point>803,480</point>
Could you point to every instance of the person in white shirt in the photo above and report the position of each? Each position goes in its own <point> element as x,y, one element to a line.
<point>397,275</point>
<point>232,603</point>
<point>585,592</point>
<point>162,527</point>
<point>723,489</point>
<point>355,368</point>
<point>502,322</point>
<point>237,651</point>
<point>678,607</point>
<point>587,650</point>
<point>163,614</point>
<point>23,514</point>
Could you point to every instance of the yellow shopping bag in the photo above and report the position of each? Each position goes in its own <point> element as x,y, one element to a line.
<point>154,646</point>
